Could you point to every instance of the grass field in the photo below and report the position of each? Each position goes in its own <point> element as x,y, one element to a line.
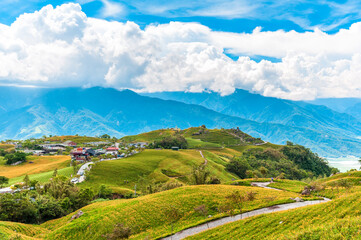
<point>151,164</point>
<point>150,216</point>
<point>43,177</point>
<point>40,164</point>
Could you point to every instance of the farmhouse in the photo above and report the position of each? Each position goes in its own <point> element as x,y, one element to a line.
<point>69,144</point>
<point>52,148</point>
<point>112,150</point>
<point>82,154</point>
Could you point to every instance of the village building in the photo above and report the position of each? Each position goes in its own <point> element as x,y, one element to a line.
<point>69,144</point>
<point>112,150</point>
<point>82,154</point>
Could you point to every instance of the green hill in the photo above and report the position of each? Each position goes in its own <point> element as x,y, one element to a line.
<point>159,166</point>
<point>199,137</point>
<point>152,216</point>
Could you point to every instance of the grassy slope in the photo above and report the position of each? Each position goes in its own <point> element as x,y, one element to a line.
<point>40,164</point>
<point>212,138</point>
<point>7,147</point>
<point>199,144</point>
<point>150,163</point>
<point>243,148</point>
<point>289,185</point>
<point>43,177</point>
<point>76,139</point>
<point>148,216</point>
<point>10,230</point>
<point>149,136</point>
<point>338,219</point>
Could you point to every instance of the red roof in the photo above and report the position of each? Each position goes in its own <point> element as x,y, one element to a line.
<point>112,149</point>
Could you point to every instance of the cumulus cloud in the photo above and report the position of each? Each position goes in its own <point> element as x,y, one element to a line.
<point>62,47</point>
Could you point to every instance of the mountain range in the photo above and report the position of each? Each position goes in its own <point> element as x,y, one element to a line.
<point>34,112</point>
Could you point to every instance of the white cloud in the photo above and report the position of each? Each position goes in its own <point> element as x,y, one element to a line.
<point>112,9</point>
<point>62,47</point>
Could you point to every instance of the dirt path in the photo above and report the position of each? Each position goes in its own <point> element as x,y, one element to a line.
<point>205,159</point>
<point>219,222</point>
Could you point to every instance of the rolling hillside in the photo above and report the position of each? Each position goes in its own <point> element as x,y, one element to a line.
<point>148,216</point>
<point>95,111</point>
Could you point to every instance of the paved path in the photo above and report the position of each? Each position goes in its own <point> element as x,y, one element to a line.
<point>264,185</point>
<point>6,190</point>
<point>216,223</point>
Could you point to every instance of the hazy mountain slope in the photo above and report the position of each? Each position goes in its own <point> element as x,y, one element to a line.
<point>95,111</point>
<point>336,104</point>
<point>272,110</point>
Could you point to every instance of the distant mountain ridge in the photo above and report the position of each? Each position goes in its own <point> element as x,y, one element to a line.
<point>94,111</point>
<point>271,110</point>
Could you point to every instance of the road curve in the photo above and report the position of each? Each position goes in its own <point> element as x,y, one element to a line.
<point>219,222</point>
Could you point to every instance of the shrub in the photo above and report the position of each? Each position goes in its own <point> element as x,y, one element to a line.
<point>201,210</point>
<point>120,231</point>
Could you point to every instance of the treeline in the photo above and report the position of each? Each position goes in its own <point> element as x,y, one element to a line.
<point>291,162</point>
<point>54,199</point>
<point>169,142</point>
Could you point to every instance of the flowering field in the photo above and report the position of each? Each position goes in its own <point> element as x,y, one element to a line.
<point>153,215</point>
<point>338,219</point>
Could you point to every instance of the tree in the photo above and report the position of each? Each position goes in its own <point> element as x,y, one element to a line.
<point>104,192</point>
<point>106,136</point>
<point>238,167</point>
<point>3,181</point>
<point>75,167</point>
<point>26,181</point>
<point>55,173</point>
<point>200,175</point>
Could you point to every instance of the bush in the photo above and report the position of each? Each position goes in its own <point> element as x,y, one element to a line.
<point>120,231</point>
<point>201,210</point>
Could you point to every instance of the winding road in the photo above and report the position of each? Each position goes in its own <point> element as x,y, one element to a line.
<point>219,222</point>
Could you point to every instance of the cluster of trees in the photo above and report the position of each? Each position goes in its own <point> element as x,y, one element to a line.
<point>2,152</point>
<point>55,199</point>
<point>15,157</point>
<point>291,162</point>
<point>32,144</point>
<point>169,142</point>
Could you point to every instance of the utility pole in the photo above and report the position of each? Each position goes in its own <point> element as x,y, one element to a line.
<point>135,190</point>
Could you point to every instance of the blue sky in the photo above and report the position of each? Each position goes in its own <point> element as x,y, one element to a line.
<point>219,15</point>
